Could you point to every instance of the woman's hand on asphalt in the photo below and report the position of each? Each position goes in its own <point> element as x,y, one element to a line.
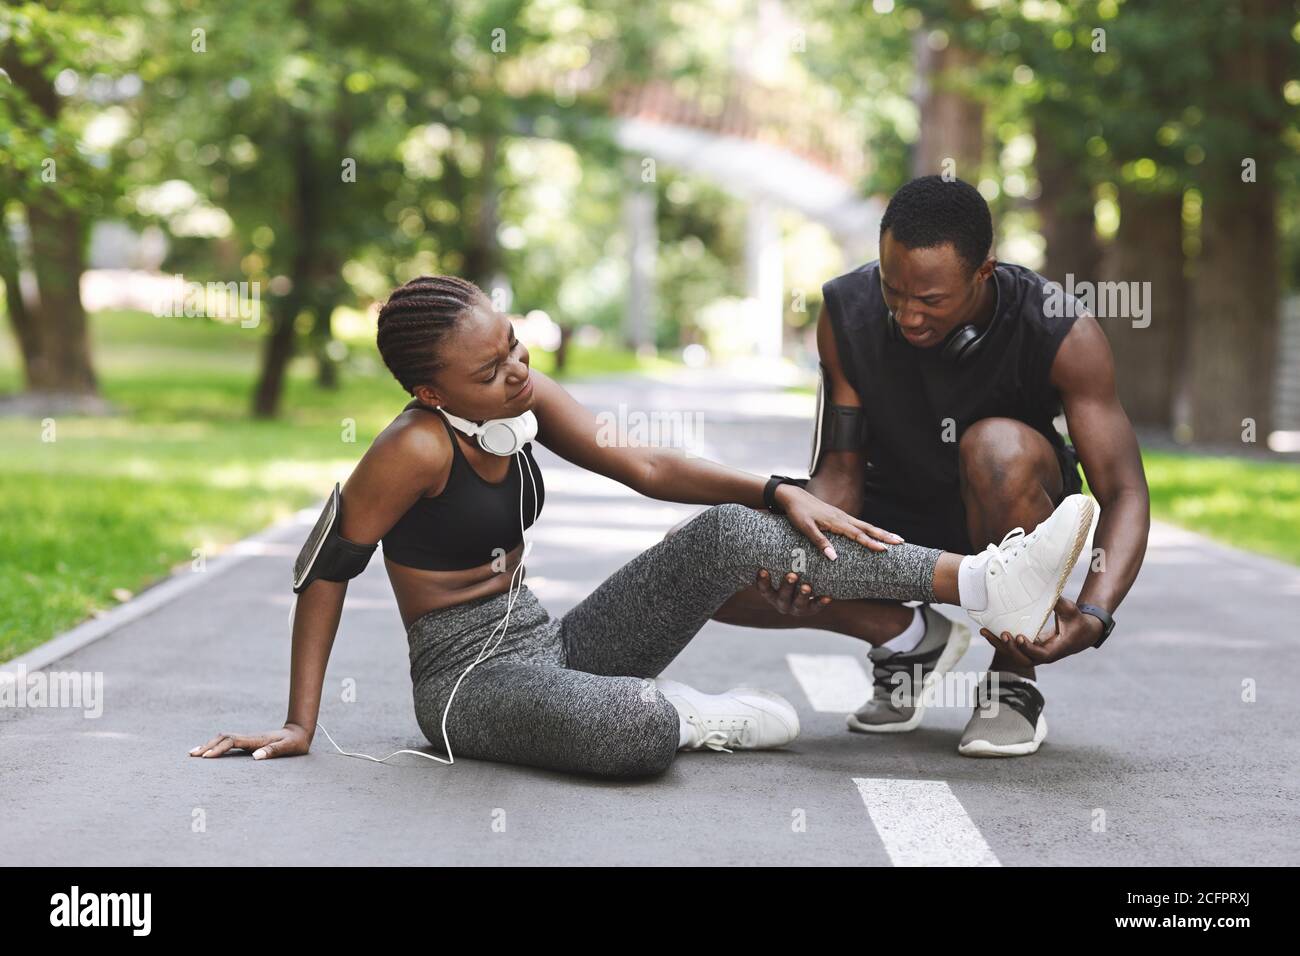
<point>285,742</point>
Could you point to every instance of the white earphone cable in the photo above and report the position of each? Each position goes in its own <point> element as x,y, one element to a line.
<point>512,590</point>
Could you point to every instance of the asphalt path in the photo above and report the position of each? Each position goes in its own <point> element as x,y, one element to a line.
<point>1173,745</point>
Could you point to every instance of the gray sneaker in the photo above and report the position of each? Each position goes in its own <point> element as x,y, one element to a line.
<point>895,705</point>
<point>1008,722</point>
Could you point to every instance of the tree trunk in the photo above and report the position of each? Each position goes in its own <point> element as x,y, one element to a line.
<point>1065,209</point>
<point>53,334</point>
<point>327,370</point>
<point>279,347</point>
<point>329,289</point>
<point>1235,301</point>
<point>1150,362</point>
<point>58,259</point>
<point>1233,362</point>
<point>23,322</point>
<point>562,351</point>
<point>276,354</point>
<point>952,123</point>
<point>482,255</point>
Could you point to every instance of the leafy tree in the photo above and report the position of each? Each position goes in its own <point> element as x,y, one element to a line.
<point>61,65</point>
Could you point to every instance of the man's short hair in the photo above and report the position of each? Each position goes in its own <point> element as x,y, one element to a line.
<point>931,211</point>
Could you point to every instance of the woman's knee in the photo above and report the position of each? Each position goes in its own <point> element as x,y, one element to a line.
<point>731,515</point>
<point>648,762</point>
<point>709,521</point>
<point>647,755</point>
<point>703,536</point>
<point>742,540</point>
<point>716,530</point>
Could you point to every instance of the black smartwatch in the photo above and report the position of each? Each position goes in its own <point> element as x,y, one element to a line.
<point>769,493</point>
<point>1101,614</point>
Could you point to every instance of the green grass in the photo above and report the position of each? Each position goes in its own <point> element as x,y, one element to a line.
<point>1249,504</point>
<point>113,504</point>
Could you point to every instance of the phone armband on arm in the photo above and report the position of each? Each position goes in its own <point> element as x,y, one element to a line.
<point>835,427</point>
<point>326,554</point>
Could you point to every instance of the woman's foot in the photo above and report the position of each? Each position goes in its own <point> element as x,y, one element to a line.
<point>744,718</point>
<point>1012,587</point>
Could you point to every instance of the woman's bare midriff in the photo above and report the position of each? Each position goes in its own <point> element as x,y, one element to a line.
<point>419,591</point>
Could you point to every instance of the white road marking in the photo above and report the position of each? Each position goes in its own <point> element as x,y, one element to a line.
<point>833,683</point>
<point>922,823</point>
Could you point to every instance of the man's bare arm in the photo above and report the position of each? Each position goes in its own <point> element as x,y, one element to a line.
<point>1084,373</point>
<point>840,474</point>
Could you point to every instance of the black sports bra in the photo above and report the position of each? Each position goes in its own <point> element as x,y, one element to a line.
<point>466,524</point>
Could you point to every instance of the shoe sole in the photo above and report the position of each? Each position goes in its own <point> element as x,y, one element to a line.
<point>1080,537</point>
<point>953,651</point>
<point>982,748</point>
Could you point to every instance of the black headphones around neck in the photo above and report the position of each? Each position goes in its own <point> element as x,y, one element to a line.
<point>964,342</point>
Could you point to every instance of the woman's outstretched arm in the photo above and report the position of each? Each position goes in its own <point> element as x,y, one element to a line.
<point>668,474</point>
<point>396,470</point>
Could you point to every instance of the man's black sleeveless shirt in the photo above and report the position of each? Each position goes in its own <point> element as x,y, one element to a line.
<point>910,394</point>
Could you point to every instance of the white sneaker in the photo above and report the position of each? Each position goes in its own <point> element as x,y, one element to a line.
<point>1024,574</point>
<point>744,718</point>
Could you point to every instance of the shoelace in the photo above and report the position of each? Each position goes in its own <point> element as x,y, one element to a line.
<point>1011,546</point>
<point>885,665</point>
<point>882,675</point>
<point>718,738</point>
<point>1017,696</point>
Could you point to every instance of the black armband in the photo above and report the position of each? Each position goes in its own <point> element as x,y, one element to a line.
<point>326,554</point>
<point>835,427</point>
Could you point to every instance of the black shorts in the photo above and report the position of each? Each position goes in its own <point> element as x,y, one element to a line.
<point>941,523</point>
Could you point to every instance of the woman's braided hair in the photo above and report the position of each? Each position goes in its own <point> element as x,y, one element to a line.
<point>414,320</point>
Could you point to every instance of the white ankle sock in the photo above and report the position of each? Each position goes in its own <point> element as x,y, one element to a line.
<point>971,589</point>
<point>911,636</point>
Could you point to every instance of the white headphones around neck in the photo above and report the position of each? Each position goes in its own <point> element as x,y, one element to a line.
<point>499,436</point>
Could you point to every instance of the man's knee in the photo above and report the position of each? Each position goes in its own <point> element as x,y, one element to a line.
<point>1005,458</point>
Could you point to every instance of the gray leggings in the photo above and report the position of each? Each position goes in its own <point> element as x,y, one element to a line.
<point>571,694</point>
